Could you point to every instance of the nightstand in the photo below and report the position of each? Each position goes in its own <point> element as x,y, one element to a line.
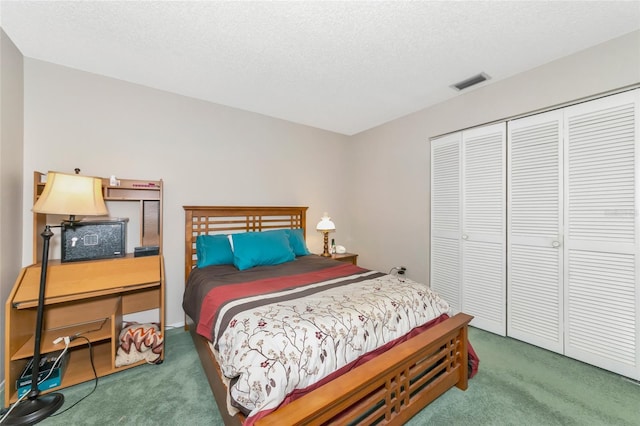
<point>346,257</point>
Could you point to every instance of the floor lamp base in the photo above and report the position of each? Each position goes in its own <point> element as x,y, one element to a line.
<point>31,411</point>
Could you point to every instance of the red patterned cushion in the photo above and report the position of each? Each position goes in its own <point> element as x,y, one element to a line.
<point>139,342</point>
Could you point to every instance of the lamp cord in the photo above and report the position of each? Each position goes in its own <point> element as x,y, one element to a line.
<point>95,375</point>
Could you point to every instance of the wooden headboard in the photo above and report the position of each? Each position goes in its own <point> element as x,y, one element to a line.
<point>203,220</point>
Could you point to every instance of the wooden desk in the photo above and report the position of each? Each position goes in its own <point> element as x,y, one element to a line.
<point>87,297</point>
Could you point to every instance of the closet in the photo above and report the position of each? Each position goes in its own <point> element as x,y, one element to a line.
<point>550,255</point>
<point>573,232</point>
<point>468,223</point>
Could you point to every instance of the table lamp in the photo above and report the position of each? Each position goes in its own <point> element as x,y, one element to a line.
<point>325,226</point>
<point>63,194</point>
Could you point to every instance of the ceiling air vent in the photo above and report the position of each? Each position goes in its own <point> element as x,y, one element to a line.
<point>472,81</point>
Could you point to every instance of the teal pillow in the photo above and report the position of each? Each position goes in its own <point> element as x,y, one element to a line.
<point>296,240</point>
<point>213,250</point>
<point>261,248</point>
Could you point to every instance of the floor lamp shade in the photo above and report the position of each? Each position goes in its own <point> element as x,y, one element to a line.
<point>74,195</point>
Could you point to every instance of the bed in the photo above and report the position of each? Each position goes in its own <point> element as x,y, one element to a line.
<point>406,373</point>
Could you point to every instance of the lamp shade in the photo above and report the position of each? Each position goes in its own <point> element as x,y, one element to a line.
<point>71,194</point>
<point>325,224</point>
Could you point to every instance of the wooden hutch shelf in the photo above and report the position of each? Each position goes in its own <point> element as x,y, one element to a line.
<point>147,193</point>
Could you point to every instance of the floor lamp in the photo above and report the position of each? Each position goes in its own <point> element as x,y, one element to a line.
<point>325,226</point>
<point>63,194</point>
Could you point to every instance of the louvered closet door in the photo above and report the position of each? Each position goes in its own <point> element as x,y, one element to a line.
<point>601,242</point>
<point>534,253</point>
<point>445,218</point>
<point>483,226</point>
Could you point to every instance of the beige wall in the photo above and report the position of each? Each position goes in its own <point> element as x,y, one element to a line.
<point>391,167</point>
<point>206,154</point>
<point>11,141</point>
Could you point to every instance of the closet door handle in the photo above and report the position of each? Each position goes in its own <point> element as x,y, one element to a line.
<point>465,237</point>
<point>555,244</point>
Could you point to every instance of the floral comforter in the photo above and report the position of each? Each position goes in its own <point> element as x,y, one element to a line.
<point>278,331</point>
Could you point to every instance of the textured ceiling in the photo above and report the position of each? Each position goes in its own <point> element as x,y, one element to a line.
<point>344,66</point>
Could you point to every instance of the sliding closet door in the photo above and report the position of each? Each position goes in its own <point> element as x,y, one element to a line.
<point>445,218</point>
<point>601,242</point>
<point>534,253</point>
<point>483,226</point>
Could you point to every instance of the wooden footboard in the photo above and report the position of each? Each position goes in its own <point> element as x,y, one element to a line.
<point>389,389</point>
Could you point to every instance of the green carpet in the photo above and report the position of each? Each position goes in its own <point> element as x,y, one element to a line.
<point>518,384</point>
